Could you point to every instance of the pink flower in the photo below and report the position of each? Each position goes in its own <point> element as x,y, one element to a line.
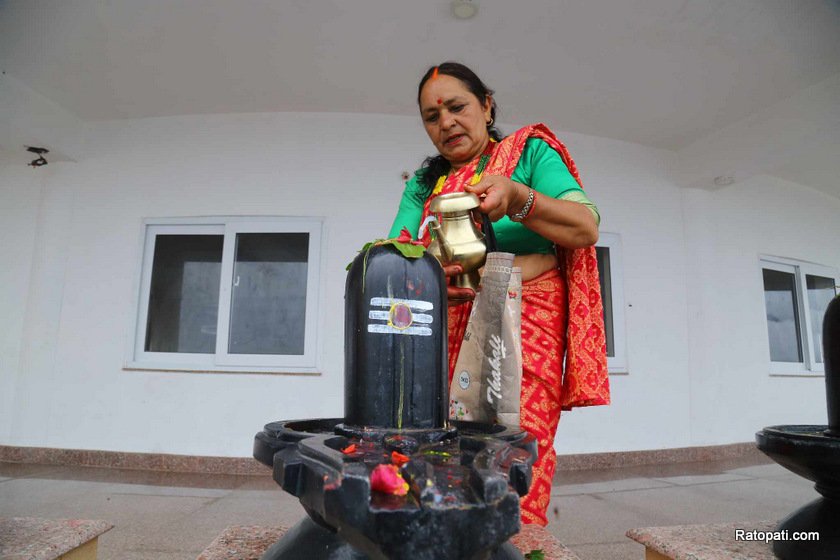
<point>388,480</point>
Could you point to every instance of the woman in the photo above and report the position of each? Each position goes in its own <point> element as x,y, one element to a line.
<point>529,188</point>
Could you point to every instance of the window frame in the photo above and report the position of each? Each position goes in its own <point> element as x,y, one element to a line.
<point>616,364</point>
<point>808,367</point>
<point>221,360</point>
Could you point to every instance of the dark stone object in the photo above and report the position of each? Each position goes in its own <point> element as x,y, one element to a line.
<point>831,357</point>
<point>395,374</point>
<point>813,452</point>
<point>464,478</point>
<point>463,502</point>
<point>310,540</point>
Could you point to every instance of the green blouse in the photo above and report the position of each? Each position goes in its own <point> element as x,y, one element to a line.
<point>540,167</point>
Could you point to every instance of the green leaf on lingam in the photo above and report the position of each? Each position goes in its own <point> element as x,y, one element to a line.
<point>408,250</point>
<point>536,554</point>
<point>404,244</point>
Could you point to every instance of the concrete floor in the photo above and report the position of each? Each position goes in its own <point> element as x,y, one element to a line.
<point>172,516</point>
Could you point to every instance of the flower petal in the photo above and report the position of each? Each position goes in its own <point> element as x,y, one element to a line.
<point>405,236</point>
<point>398,458</point>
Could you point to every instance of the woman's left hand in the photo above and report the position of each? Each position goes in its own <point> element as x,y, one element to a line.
<point>499,196</point>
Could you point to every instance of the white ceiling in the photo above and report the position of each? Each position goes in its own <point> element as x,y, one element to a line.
<point>663,73</point>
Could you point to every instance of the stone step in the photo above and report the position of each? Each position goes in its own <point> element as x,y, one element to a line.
<point>33,538</point>
<point>718,541</point>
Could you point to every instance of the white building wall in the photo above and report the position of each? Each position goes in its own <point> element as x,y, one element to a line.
<point>732,393</point>
<point>20,194</point>
<point>72,248</point>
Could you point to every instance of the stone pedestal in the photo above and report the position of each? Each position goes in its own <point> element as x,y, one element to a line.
<point>32,538</point>
<point>705,542</point>
<point>240,542</point>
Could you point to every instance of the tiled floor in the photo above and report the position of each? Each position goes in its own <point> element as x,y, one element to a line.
<point>170,516</point>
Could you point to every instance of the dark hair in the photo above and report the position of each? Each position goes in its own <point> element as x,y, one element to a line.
<point>435,166</point>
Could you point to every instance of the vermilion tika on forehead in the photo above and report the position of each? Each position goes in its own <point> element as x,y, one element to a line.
<point>434,77</point>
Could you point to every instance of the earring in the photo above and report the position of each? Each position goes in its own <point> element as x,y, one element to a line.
<point>490,122</point>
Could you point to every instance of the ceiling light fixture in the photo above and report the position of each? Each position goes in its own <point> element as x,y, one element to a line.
<point>40,160</point>
<point>464,9</point>
<point>724,180</point>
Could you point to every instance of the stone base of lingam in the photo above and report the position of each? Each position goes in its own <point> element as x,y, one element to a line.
<point>462,500</point>
<point>813,452</point>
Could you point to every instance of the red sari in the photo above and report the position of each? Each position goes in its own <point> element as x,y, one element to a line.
<point>562,314</point>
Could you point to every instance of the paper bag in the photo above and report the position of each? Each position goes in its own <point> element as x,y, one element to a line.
<point>486,384</point>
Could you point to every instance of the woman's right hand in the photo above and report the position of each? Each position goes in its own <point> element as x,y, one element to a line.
<point>454,294</point>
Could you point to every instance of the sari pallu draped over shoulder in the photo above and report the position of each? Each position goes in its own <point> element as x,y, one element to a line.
<point>585,380</point>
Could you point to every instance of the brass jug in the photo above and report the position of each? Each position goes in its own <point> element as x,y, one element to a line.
<point>455,237</point>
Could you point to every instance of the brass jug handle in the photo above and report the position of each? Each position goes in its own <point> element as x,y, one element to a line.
<point>437,235</point>
<point>489,234</point>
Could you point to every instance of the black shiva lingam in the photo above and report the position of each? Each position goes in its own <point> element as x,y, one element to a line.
<point>464,478</point>
<point>814,453</point>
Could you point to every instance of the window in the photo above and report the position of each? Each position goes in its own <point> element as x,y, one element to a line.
<point>608,251</point>
<point>230,294</point>
<point>796,295</point>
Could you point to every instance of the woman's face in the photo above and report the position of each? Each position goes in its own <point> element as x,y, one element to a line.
<point>455,119</point>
